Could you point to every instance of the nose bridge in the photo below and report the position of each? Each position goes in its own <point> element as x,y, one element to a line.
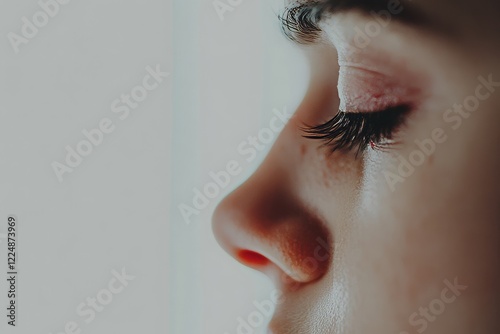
<point>264,225</point>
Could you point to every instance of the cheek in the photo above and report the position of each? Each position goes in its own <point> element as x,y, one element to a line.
<point>432,228</point>
<point>329,181</point>
<point>337,170</point>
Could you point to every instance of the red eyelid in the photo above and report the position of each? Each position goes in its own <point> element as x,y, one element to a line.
<point>364,90</point>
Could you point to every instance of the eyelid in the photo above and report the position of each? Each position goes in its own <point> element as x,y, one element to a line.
<point>363,90</point>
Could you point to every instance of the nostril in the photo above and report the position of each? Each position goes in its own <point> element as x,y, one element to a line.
<point>252,259</point>
<point>275,235</point>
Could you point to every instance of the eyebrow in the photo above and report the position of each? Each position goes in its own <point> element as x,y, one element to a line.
<point>300,21</point>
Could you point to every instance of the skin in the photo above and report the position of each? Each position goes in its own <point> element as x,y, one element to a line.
<point>389,249</point>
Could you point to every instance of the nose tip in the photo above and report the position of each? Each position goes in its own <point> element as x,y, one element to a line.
<point>273,234</point>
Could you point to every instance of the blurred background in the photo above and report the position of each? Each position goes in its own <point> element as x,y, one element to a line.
<point>111,211</point>
<point>228,77</point>
<point>119,208</point>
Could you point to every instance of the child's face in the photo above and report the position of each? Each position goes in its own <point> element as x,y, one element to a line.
<point>403,237</point>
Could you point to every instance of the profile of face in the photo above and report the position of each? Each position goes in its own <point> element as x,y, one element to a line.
<point>377,209</point>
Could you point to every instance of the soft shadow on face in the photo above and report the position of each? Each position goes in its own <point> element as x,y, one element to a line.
<point>397,240</point>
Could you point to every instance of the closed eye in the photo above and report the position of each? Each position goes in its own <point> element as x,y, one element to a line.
<point>355,131</point>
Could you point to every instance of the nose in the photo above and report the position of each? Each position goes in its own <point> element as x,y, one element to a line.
<point>264,225</point>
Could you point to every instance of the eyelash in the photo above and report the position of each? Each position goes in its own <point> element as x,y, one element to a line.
<point>300,23</point>
<point>349,131</point>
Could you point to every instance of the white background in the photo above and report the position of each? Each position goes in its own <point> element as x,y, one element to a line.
<point>119,207</point>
